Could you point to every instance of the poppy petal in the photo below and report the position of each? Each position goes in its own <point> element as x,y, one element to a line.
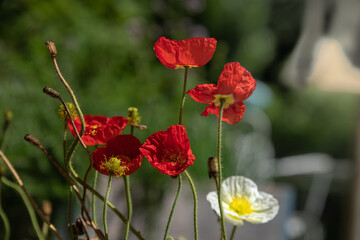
<point>203,93</point>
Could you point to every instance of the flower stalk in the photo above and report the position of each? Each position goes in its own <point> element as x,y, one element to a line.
<point>195,203</point>
<point>219,137</point>
<point>32,202</point>
<point>4,218</point>
<point>173,207</point>
<point>183,97</point>
<point>233,232</point>
<point>105,206</point>
<point>129,205</point>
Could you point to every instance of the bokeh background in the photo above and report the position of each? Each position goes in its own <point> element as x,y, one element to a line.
<point>297,139</point>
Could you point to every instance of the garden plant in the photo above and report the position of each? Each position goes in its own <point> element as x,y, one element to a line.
<point>235,199</point>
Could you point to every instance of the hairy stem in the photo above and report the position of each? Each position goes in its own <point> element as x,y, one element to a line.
<point>223,230</point>
<point>105,206</point>
<point>195,203</point>
<point>129,205</point>
<point>183,95</point>
<point>173,208</point>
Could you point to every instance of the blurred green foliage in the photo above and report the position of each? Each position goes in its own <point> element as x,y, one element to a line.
<point>105,52</point>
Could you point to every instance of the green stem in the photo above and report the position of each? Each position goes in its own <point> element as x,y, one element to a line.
<point>110,205</point>
<point>233,232</point>
<point>129,205</point>
<point>132,130</point>
<point>64,140</point>
<point>195,203</point>
<point>173,208</point>
<point>5,220</point>
<point>223,230</point>
<point>78,109</point>
<point>27,204</point>
<point>105,205</point>
<point>71,232</point>
<point>183,95</point>
<point>93,206</point>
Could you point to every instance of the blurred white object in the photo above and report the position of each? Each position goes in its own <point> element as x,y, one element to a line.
<point>332,69</point>
<point>328,49</point>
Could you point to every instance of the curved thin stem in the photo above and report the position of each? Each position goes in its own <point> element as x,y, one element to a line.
<point>113,208</point>
<point>223,230</point>
<point>195,203</point>
<point>173,208</point>
<point>32,202</point>
<point>27,204</point>
<point>233,232</point>
<point>93,206</point>
<point>129,205</point>
<point>105,205</point>
<point>183,95</point>
<point>5,219</point>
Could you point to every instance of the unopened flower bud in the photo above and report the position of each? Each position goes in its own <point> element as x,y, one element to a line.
<point>51,92</point>
<point>8,115</point>
<point>51,47</point>
<point>133,116</point>
<point>213,167</point>
<point>47,207</point>
<point>31,139</point>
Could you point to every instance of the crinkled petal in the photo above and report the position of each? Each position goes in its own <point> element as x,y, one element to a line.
<point>160,146</point>
<point>235,76</point>
<point>193,52</point>
<point>93,133</point>
<point>203,93</point>
<point>113,128</point>
<point>233,114</point>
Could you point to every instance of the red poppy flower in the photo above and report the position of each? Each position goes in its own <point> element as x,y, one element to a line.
<point>99,129</point>
<point>234,86</point>
<point>169,151</point>
<point>120,156</point>
<point>192,52</point>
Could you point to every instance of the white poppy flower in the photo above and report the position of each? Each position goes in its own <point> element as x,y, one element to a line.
<point>241,200</point>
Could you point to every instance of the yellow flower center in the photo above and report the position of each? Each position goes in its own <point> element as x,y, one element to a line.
<point>241,206</point>
<point>228,100</point>
<point>114,165</point>
<point>183,67</point>
<point>92,130</point>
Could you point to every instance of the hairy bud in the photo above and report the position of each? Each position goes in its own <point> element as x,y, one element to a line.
<point>51,47</point>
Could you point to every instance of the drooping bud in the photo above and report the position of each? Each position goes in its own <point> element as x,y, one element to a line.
<point>213,167</point>
<point>51,47</point>
<point>51,92</point>
<point>33,140</point>
<point>64,115</point>
<point>133,116</point>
